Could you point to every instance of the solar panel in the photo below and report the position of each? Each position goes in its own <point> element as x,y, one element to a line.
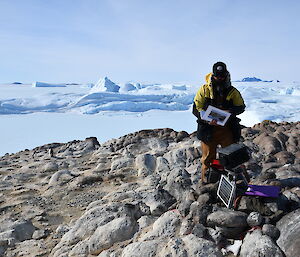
<point>226,191</point>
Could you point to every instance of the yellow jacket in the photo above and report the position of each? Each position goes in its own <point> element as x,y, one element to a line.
<point>205,96</point>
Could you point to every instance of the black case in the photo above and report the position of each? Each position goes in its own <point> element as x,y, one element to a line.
<point>213,175</point>
<point>233,155</point>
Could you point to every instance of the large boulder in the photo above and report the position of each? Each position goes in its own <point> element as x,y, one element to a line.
<point>137,249</point>
<point>200,247</point>
<point>159,201</point>
<point>118,230</point>
<point>289,240</point>
<point>164,227</point>
<point>60,177</point>
<point>100,226</point>
<point>145,164</point>
<point>269,144</point>
<point>256,244</point>
<point>227,218</point>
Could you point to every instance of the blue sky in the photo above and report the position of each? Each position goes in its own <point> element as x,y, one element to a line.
<point>148,41</point>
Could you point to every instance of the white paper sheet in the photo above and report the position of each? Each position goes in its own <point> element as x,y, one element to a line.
<point>213,113</point>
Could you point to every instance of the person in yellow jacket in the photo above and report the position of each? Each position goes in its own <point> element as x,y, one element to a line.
<point>218,92</point>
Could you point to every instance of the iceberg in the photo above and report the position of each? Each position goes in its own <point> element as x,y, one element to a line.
<point>43,84</point>
<point>105,85</point>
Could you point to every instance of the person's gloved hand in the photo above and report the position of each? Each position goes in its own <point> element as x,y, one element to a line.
<point>214,123</point>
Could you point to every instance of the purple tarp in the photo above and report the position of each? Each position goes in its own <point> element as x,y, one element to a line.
<point>265,191</point>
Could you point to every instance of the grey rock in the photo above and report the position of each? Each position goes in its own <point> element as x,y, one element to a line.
<point>200,247</point>
<point>199,213</point>
<point>192,154</point>
<point>174,247</point>
<point>294,199</point>
<point>289,227</point>
<point>159,201</point>
<point>81,249</point>
<point>203,199</point>
<point>39,234</point>
<point>95,218</point>
<point>184,205</point>
<point>186,226</point>
<point>227,218</point>
<point>7,238</point>
<point>23,230</point>
<point>145,163</point>
<point>12,233</point>
<point>138,249</point>
<point>199,230</point>
<point>162,165</point>
<point>118,230</point>
<point>280,203</point>
<point>60,177</point>
<point>2,250</point>
<point>285,157</point>
<point>92,142</point>
<point>179,183</point>
<point>254,219</point>
<point>110,253</point>
<point>181,135</point>
<point>269,144</point>
<point>62,229</point>
<point>145,221</point>
<point>231,233</point>
<point>165,226</point>
<point>145,209</point>
<point>50,167</point>
<point>29,248</point>
<point>152,181</point>
<point>215,235</point>
<point>87,179</point>
<point>283,138</point>
<point>256,244</point>
<point>249,203</point>
<point>116,196</point>
<point>271,231</point>
<point>177,157</point>
<point>122,162</point>
<point>157,144</point>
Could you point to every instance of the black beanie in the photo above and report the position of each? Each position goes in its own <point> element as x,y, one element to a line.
<point>219,69</point>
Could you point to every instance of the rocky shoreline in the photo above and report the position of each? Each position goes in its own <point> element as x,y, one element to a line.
<point>139,195</point>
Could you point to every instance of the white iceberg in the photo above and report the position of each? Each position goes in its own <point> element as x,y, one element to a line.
<point>43,84</point>
<point>128,87</point>
<point>105,85</point>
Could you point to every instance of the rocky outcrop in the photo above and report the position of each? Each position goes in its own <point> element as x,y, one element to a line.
<point>140,195</point>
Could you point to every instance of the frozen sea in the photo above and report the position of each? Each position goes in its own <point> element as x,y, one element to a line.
<point>35,114</point>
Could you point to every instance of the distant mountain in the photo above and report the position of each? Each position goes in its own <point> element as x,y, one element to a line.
<point>254,79</point>
<point>251,79</point>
